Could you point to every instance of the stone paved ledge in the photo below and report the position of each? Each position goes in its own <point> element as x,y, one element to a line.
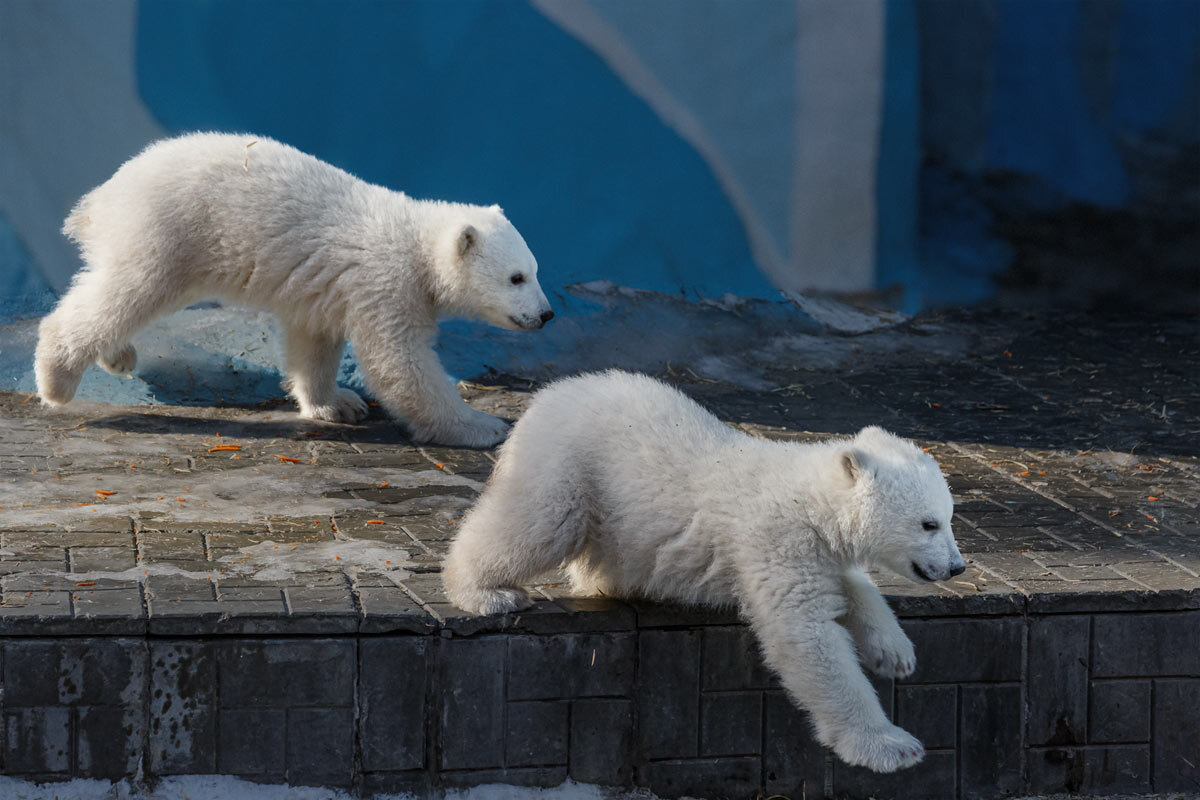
<point>210,538</point>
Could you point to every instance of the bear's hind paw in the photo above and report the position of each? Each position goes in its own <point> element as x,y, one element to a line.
<point>494,601</point>
<point>119,362</point>
<point>346,407</point>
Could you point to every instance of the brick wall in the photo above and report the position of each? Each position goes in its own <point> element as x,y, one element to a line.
<point>1092,703</point>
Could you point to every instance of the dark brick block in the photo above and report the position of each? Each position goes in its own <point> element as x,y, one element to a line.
<point>320,746</point>
<point>536,733</point>
<point>990,739</point>
<point>1119,712</point>
<point>391,689</point>
<point>1176,735</point>
<point>668,685</point>
<point>602,741</point>
<point>793,760</point>
<point>962,650</point>
<point>570,665</point>
<point>471,703</point>
<point>286,672</point>
<point>1090,770</point>
<point>37,740</point>
<point>704,777</point>
<point>932,779</point>
<point>108,741</point>
<point>1147,645</point>
<point>251,741</point>
<point>521,776</point>
<point>929,712</point>
<point>94,671</point>
<point>731,660</point>
<point>1058,676</point>
<point>731,724</point>
<point>183,699</point>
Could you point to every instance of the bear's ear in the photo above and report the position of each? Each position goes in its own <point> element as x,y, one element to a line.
<point>467,238</point>
<point>855,464</point>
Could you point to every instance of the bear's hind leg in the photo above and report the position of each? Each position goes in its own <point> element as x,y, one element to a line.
<point>312,367</point>
<point>94,322</point>
<point>507,540</point>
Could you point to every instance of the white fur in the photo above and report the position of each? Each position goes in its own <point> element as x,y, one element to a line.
<point>334,257</point>
<point>638,491</point>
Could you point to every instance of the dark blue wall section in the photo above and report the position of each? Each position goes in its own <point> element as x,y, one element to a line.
<point>476,101</point>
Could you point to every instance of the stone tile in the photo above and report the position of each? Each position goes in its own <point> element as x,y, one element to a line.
<point>570,665</point>
<point>470,703</point>
<point>990,740</point>
<point>793,761</point>
<point>1058,679</point>
<point>1176,735</point>
<point>102,559</point>
<point>934,778</point>
<point>602,741</point>
<point>320,751</point>
<point>393,678</point>
<point>731,660</point>
<point>731,723</point>
<point>1119,712</point>
<point>183,708</point>
<point>956,650</point>
<point>929,712</point>
<point>108,740</point>
<point>536,733</point>
<point>37,740</point>
<point>1147,645</point>
<point>668,688</point>
<point>286,672</point>
<point>252,742</point>
<point>1098,770</point>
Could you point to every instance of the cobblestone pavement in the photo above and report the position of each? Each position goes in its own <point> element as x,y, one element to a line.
<point>1072,445</point>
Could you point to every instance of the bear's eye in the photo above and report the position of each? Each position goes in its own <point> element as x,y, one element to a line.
<point>518,278</point>
<point>930,525</point>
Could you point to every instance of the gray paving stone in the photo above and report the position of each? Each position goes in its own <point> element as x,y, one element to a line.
<point>392,679</point>
<point>107,741</point>
<point>668,688</point>
<point>793,761</point>
<point>1093,770</point>
<point>536,733</point>
<point>731,660</point>
<point>704,777</point>
<point>516,776</point>
<point>935,778</point>
<point>1059,650</point>
<point>953,650</point>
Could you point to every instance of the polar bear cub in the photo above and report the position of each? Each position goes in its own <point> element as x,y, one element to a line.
<point>638,491</point>
<point>258,223</point>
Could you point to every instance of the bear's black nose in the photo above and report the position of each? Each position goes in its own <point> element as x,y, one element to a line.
<point>547,316</point>
<point>958,570</point>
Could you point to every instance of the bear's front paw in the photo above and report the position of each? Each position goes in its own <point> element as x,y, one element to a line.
<point>492,601</point>
<point>119,362</point>
<point>478,430</point>
<point>346,406</point>
<point>886,652</point>
<point>885,748</point>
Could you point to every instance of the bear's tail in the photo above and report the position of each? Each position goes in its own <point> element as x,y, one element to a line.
<point>79,218</point>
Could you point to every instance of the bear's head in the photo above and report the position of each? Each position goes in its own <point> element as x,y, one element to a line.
<point>487,272</point>
<point>903,506</point>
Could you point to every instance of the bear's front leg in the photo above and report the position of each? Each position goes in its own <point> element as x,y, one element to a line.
<point>816,662</point>
<point>881,642</point>
<point>404,373</point>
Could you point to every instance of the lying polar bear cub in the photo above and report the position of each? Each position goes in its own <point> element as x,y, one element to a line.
<point>638,491</point>
<point>256,222</point>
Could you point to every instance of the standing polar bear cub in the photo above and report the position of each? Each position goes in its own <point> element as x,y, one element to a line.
<point>256,222</point>
<point>638,491</point>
